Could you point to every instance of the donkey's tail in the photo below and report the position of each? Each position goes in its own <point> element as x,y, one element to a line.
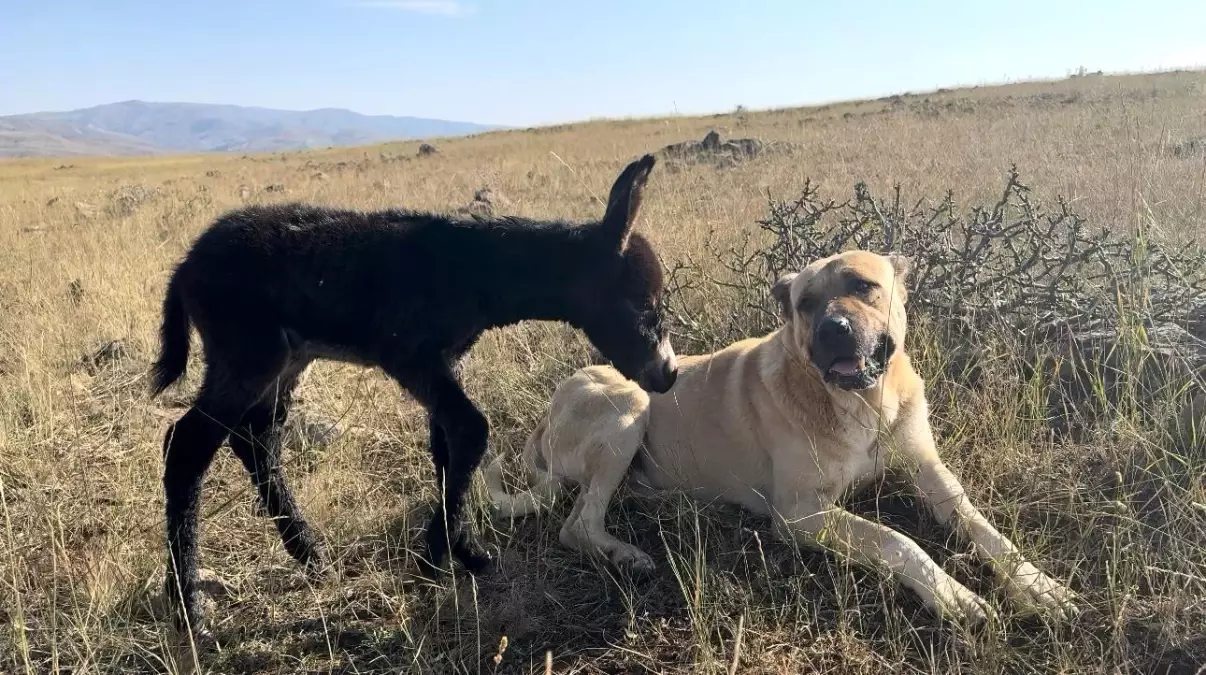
<point>174,340</point>
<point>545,486</point>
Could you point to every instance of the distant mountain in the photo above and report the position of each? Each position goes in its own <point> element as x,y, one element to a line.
<point>139,127</point>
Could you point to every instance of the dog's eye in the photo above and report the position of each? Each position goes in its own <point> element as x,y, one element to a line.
<point>861,286</point>
<point>807,303</point>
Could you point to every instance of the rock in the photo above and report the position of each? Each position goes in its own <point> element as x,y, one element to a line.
<point>482,205</point>
<point>721,153</point>
<point>1100,367</point>
<point>86,210</point>
<point>1190,148</point>
<point>311,432</point>
<point>1188,429</point>
<point>107,353</point>
<point>75,292</point>
<point>126,199</point>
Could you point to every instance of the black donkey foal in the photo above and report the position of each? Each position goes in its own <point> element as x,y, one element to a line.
<point>271,288</point>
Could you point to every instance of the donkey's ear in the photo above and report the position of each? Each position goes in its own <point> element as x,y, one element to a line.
<point>781,291</point>
<point>625,201</point>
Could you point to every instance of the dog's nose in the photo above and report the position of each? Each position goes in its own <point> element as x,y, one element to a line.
<point>835,326</point>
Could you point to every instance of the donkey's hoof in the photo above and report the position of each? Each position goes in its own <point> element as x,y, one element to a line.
<point>477,563</point>
<point>432,567</point>
<point>429,571</point>
<point>202,637</point>
<point>317,570</point>
<point>190,622</point>
<point>186,611</point>
<point>189,649</point>
<point>475,559</point>
<point>309,552</point>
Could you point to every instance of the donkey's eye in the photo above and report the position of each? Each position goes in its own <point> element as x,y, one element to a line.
<point>650,318</point>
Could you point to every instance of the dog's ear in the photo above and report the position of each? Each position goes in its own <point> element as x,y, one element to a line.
<point>903,266</point>
<point>781,291</point>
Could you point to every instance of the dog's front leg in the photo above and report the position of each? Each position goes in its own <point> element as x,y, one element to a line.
<point>1024,582</point>
<point>942,492</point>
<point>879,547</point>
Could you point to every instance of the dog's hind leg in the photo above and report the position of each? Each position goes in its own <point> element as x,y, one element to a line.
<point>544,486</point>
<point>608,455</point>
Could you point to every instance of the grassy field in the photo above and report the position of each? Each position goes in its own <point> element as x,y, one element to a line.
<point>85,249</point>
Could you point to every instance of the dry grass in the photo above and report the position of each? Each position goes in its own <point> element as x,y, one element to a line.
<point>85,247</point>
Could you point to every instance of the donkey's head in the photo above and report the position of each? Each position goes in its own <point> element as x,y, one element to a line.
<point>620,302</point>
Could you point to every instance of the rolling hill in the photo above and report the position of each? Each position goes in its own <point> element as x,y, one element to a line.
<point>140,127</point>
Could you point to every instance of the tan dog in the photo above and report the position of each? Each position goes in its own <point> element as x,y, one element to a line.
<point>782,425</point>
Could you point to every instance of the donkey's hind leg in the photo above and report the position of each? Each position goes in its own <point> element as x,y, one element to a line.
<point>234,382</point>
<point>257,443</point>
<point>189,447</point>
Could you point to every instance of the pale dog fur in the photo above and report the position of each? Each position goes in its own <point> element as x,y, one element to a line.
<point>756,424</point>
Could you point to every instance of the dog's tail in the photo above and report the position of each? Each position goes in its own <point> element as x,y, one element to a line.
<point>544,486</point>
<point>174,340</point>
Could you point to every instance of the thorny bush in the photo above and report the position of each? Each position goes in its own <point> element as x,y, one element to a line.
<point>1009,278</point>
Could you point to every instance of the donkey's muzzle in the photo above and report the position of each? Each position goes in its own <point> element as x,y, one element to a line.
<point>658,380</point>
<point>659,376</point>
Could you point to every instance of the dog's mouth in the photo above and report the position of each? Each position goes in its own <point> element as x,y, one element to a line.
<point>853,373</point>
<point>860,372</point>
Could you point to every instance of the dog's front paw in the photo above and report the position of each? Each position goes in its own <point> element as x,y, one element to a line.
<point>960,604</point>
<point>631,558</point>
<point>1036,592</point>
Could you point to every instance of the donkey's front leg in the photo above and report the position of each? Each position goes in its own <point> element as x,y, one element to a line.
<point>464,439</point>
<point>458,433</point>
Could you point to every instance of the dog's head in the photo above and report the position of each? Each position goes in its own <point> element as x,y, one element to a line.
<point>846,315</point>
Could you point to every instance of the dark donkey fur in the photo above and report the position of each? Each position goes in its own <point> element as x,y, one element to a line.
<point>271,288</point>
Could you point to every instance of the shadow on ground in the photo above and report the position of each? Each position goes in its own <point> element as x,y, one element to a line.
<point>800,610</point>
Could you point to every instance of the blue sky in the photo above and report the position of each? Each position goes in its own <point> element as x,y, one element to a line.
<point>520,62</point>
